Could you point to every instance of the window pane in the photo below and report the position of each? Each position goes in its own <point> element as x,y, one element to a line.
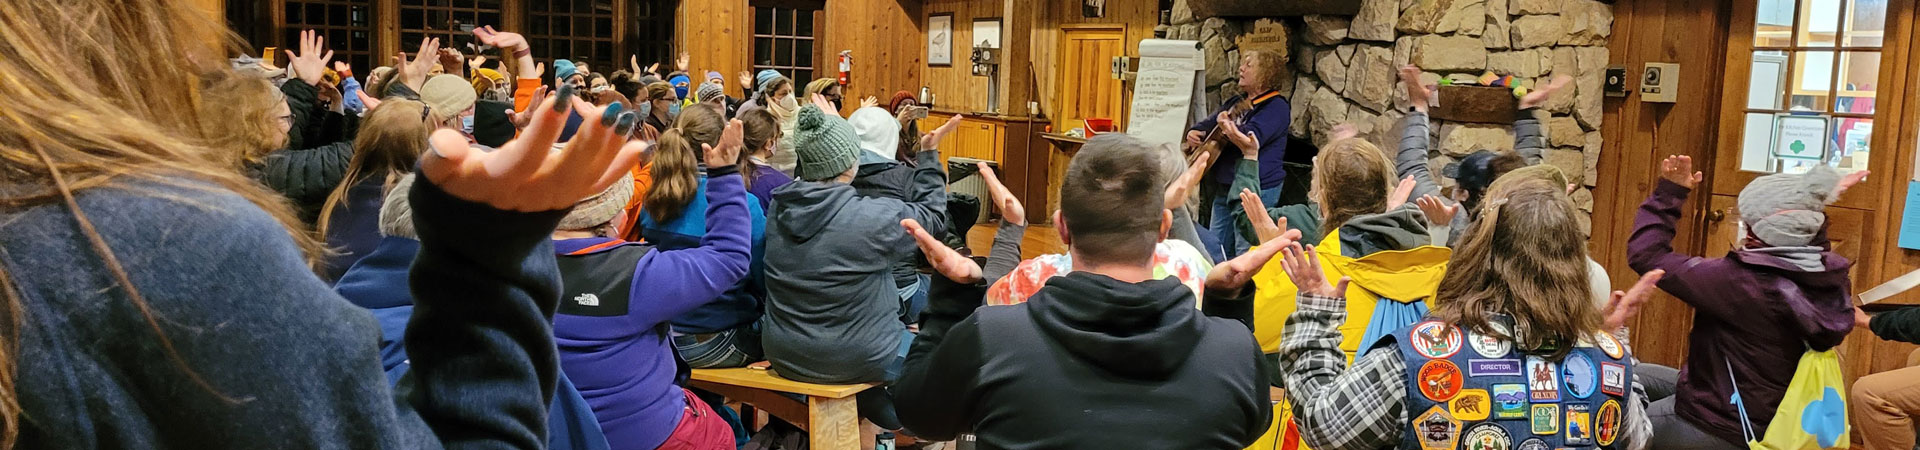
<point>1859,78</point>
<point>359,16</point>
<point>337,15</point>
<point>1755,143</point>
<point>805,75</point>
<point>296,15</point>
<point>763,21</point>
<point>1773,23</point>
<point>436,19</point>
<point>583,27</point>
<point>539,26</point>
<point>463,3</point>
<point>562,27</point>
<point>316,14</point>
<point>783,22</point>
<point>763,51</point>
<point>803,24</point>
<point>412,19</point>
<point>1866,22</point>
<point>783,52</point>
<point>1850,144</point>
<point>803,53</point>
<point>1819,23</point>
<point>1812,81</point>
<point>1764,90</point>
<point>603,27</point>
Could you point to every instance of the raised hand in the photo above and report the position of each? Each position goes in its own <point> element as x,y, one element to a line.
<point>1540,94</point>
<point>514,44</point>
<point>1231,275</point>
<point>523,118</point>
<point>525,174</point>
<point>1177,191</point>
<point>1010,209</point>
<point>945,260</point>
<point>633,61</point>
<point>310,64</point>
<point>1417,93</point>
<point>869,102</point>
<point>932,140</point>
<point>653,69</point>
<point>477,61</point>
<point>1677,169</point>
<point>746,81</point>
<point>1623,305</point>
<point>1303,267</point>
<point>1847,182</point>
<point>343,68</point>
<point>1264,227</point>
<point>1400,193</point>
<point>331,96</point>
<point>825,105</point>
<point>453,61</point>
<point>680,63</point>
<point>1248,142</point>
<point>728,153</point>
<point>413,71</point>
<point>1438,211</point>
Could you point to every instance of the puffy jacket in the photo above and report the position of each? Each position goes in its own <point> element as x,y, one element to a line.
<point>1406,276</point>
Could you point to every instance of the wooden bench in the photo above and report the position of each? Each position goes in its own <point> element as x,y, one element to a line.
<point>829,416</point>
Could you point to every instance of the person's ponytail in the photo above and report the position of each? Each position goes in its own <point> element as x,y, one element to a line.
<point>675,177</point>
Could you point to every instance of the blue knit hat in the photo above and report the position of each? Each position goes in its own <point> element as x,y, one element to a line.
<point>765,76</point>
<point>680,84</point>
<point>563,69</point>
<point>823,145</point>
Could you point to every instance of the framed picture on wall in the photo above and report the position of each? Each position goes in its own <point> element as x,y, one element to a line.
<point>986,33</point>
<point>940,39</point>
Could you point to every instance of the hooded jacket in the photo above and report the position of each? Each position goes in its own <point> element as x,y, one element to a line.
<point>319,147</point>
<point>832,308</point>
<point>885,178</point>
<point>1394,270</point>
<point>1158,372</point>
<point>1756,312</point>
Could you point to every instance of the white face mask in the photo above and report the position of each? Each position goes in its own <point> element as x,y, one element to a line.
<point>789,103</point>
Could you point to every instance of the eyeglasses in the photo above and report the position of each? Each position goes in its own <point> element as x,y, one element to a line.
<point>285,119</point>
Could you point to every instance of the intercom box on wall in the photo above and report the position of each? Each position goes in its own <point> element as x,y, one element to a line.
<point>1660,83</point>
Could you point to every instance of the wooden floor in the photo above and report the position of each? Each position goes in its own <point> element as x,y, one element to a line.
<point>1040,240</point>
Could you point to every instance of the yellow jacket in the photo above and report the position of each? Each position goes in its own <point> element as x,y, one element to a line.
<point>1403,275</point>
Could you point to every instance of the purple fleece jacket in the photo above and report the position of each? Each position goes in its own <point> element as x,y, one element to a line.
<point>623,368</point>
<point>1268,121</point>
<point>1753,311</point>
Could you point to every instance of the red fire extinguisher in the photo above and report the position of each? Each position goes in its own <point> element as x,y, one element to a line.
<point>846,66</point>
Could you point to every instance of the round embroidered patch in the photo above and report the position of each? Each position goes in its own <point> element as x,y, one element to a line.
<point>1489,346</point>
<point>1580,374</point>
<point>1436,340</point>
<point>1487,436</point>
<point>1609,345</point>
<point>1439,380</point>
<point>1607,422</point>
<point>1533,444</point>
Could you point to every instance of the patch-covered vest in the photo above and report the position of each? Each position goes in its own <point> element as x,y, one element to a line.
<point>1475,392</point>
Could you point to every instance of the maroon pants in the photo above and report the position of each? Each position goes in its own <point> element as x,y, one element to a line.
<point>700,429</point>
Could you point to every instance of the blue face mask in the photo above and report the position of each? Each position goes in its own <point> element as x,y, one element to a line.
<point>466,124</point>
<point>673,112</point>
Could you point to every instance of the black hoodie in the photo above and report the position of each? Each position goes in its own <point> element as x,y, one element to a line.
<point>1086,362</point>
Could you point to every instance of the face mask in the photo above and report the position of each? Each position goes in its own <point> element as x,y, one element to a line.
<point>789,103</point>
<point>466,124</point>
<point>673,111</point>
<point>837,105</point>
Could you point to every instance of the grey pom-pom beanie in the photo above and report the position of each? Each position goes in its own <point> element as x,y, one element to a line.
<point>1786,210</point>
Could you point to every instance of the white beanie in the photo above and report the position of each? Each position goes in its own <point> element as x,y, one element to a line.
<point>878,130</point>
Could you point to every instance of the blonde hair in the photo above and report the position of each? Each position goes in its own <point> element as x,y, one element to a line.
<point>1364,176</point>
<point>676,162</point>
<point>1518,260</point>
<point>391,139</point>
<point>114,122</point>
<point>241,108</point>
<point>1272,67</point>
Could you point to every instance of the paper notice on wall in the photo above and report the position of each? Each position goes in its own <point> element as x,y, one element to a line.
<point>1164,89</point>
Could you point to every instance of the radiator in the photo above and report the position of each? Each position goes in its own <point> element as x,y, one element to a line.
<point>972,185</point>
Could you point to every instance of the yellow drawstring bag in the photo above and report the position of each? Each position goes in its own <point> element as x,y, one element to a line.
<point>1812,414</point>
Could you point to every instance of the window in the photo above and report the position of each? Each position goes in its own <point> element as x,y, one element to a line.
<point>783,40</point>
<point>578,30</point>
<point>650,33</point>
<point>1815,68</point>
<point>346,24</point>
<point>450,20</point>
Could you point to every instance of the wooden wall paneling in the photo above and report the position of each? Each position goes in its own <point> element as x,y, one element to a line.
<point>1637,134</point>
<point>954,87</point>
<point>717,35</point>
<point>888,47</point>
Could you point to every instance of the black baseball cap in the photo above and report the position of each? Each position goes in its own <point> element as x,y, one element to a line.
<point>1474,172</point>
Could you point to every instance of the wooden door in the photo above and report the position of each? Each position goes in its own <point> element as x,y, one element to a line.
<point>1087,87</point>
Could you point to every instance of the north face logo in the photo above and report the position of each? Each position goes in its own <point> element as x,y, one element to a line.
<point>587,300</point>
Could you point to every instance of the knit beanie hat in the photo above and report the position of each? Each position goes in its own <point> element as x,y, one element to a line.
<point>900,98</point>
<point>485,79</point>
<point>600,208</point>
<point>710,91</point>
<point>448,95</point>
<point>396,215</point>
<point>823,144</point>
<point>1786,210</point>
<point>819,86</point>
<point>761,79</point>
<point>680,85</point>
<point>563,69</point>
<point>714,75</point>
<point>879,132</point>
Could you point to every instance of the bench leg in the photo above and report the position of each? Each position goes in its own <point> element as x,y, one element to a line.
<point>833,423</point>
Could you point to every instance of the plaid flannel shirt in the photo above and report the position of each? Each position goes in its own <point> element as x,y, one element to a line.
<point>1365,407</point>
